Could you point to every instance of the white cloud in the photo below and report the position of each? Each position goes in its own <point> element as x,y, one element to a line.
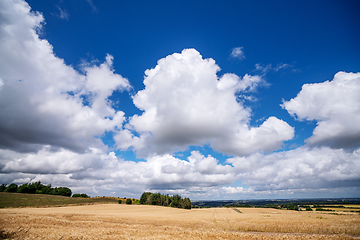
<point>63,14</point>
<point>281,66</point>
<point>302,168</point>
<point>93,7</point>
<point>238,52</point>
<point>96,170</point>
<point>51,118</point>
<point>98,173</point>
<point>261,68</point>
<point>238,190</point>
<point>41,97</point>
<point>335,105</point>
<point>185,103</point>
<point>265,69</point>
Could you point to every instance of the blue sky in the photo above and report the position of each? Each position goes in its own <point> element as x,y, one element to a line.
<point>215,100</point>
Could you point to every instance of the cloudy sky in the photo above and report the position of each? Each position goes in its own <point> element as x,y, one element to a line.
<point>210,100</point>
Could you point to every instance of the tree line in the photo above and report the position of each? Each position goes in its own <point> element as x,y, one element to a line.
<point>165,200</point>
<point>36,188</point>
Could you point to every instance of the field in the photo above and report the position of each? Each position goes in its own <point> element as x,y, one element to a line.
<point>15,200</point>
<point>115,221</point>
<point>343,208</point>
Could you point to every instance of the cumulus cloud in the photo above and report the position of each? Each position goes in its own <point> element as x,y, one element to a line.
<point>52,117</point>
<point>238,52</point>
<point>335,105</point>
<point>185,103</point>
<point>96,170</point>
<point>298,169</point>
<point>199,176</point>
<point>41,98</point>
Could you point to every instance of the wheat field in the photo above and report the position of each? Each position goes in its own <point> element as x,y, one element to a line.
<point>115,221</point>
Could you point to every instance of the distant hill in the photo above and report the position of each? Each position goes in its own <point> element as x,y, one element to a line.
<point>15,200</point>
<point>273,202</point>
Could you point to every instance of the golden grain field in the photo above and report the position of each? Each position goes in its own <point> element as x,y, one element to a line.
<point>115,221</point>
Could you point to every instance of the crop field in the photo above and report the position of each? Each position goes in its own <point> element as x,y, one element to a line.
<point>343,208</point>
<point>120,221</point>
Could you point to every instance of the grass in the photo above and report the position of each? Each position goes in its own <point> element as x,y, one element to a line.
<point>16,200</point>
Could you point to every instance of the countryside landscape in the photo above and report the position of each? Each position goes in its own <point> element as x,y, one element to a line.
<point>46,216</point>
<point>179,119</point>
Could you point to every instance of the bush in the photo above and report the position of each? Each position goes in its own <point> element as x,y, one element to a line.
<point>82,195</point>
<point>120,201</point>
<point>128,201</point>
<point>325,210</point>
<point>308,208</point>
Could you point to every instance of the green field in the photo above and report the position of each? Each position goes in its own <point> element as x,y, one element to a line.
<point>343,208</point>
<point>15,200</point>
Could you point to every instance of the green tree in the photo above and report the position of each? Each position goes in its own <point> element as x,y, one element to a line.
<point>165,200</point>
<point>176,201</point>
<point>63,191</point>
<point>144,198</point>
<point>82,195</point>
<point>2,187</point>
<point>155,199</point>
<point>187,203</point>
<point>23,188</point>
<point>44,189</point>
<point>11,188</point>
<point>128,201</point>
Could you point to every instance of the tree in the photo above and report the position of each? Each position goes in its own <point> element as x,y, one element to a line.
<point>155,199</point>
<point>176,201</point>
<point>165,200</point>
<point>82,195</point>
<point>44,189</point>
<point>187,203</point>
<point>63,191</point>
<point>11,188</point>
<point>144,198</point>
<point>128,201</point>
<point>2,187</point>
<point>24,188</point>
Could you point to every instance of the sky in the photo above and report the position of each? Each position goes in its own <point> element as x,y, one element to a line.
<point>211,100</point>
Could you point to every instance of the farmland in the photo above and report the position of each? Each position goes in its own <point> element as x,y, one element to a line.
<point>121,221</point>
<point>14,200</point>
